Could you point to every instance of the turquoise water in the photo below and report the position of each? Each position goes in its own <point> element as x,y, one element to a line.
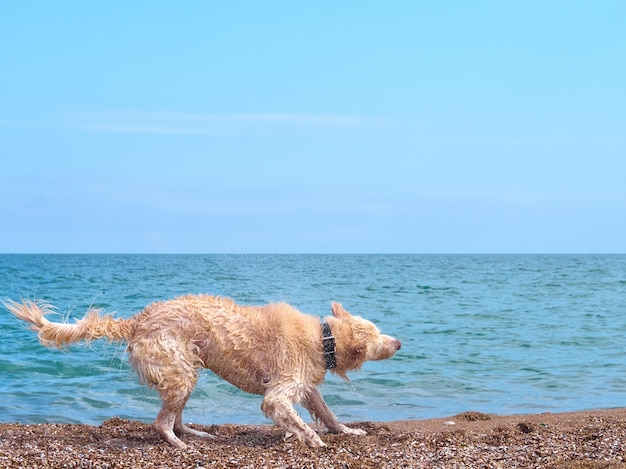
<point>492,333</point>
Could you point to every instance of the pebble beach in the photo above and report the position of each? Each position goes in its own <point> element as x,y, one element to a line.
<point>589,439</point>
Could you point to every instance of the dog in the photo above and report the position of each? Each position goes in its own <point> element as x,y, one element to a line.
<point>272,350</point>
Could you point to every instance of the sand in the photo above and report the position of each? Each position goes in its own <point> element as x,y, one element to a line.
<point>591,439</point>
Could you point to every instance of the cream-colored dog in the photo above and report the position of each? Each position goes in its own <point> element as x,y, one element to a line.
<point>272,350</point>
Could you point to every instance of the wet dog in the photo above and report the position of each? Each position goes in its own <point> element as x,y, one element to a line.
<point>272,350</point>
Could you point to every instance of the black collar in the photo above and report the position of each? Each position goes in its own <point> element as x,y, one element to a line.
<point>329,347</point>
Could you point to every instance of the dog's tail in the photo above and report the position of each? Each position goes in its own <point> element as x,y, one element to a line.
<point>53,334</point>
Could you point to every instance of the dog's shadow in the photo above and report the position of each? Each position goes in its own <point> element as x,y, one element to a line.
<point>264,437</point>
<point>139,434</point>
<point>255,437</point>
<point>132,434</point>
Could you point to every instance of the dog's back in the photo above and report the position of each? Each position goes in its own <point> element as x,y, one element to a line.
<point>249,346</point>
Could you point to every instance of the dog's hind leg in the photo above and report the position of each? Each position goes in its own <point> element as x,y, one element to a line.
<point>314,403</point>
<point>174,390</point>
<point>173,371</point>
<point>180,427</point>
<point>164,425</point>
<point>278,406</point>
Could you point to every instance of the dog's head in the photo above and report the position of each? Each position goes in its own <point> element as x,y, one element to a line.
<point>358,340</point>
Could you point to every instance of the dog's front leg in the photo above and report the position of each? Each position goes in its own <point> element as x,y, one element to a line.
<point>278,406</point>
<point>314,403</point>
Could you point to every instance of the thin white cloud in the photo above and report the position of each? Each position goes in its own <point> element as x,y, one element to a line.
<point>189,123</point>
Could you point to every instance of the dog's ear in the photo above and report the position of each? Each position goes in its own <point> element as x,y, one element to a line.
<point>338,311</point>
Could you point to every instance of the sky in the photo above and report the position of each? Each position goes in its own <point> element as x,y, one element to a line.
<point>313,127</point>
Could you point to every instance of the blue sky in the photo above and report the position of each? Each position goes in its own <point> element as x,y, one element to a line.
<point>313,127</point>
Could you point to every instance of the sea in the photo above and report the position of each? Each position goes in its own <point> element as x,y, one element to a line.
<point>500,334</point>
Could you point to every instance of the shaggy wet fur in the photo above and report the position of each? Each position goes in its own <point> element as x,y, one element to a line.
<point>272,350</point>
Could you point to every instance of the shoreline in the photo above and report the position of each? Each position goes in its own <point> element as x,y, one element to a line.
<point>585,439</point>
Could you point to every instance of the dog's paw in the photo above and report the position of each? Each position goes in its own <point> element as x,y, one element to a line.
<point>352,431</point>
<point>315,443</point>
<point>312,441</point>
<point>191,431</point>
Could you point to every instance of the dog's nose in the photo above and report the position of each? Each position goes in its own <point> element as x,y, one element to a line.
<point>397,344</point>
